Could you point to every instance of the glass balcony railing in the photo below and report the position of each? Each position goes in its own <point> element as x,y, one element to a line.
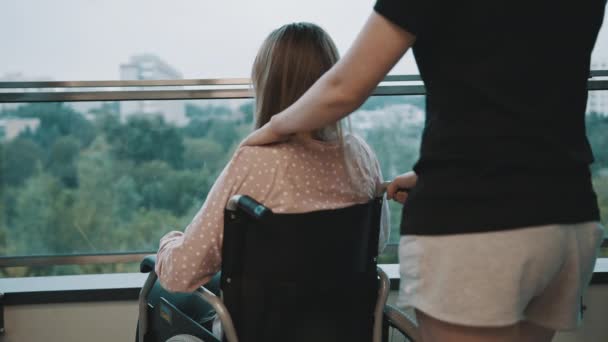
<point>93,173</point>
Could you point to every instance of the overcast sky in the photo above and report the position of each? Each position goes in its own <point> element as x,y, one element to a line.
<point>89,39</point>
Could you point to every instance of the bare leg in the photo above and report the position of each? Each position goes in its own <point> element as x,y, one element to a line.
<point>433,330</point>
<point>531,332</point>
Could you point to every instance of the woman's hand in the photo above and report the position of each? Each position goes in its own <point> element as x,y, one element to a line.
<point>399,187</point>
<point>263,136</point>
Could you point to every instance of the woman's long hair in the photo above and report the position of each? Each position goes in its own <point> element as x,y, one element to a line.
<point>291,59</point>
<point>289,62</point>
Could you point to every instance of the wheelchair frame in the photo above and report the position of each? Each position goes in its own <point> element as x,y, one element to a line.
<point>390,316</point>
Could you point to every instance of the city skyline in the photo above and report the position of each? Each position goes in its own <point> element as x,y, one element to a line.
<point>89,39</point>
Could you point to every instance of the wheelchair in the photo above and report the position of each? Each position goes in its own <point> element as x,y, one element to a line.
<point>285,277</point>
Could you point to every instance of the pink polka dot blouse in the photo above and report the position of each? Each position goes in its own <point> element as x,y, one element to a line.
<point>300,175</point>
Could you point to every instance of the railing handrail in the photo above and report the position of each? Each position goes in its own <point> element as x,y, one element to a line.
<point>73,259</point>
<point>125,83</point>
<point>175,94</point>
<point>185,82</point>
<point>228,88</point>
<point>598,73</point>
<point>158,83</point>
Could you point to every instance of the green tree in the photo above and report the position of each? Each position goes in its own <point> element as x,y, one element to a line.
<point>143,139</point>
<point>380,102</point>
<point>127,201</point>
<point>204,153</point>
<point>396,145</point>
<point>21,159</point>
<point>43,220</point>
<point>105,198</point>
<point>161,187</point>
<point>4,249</point>
<point>147,227</point>
<point>56,120</point>
<point>207,112</point>
<point>248,110</point>
<point>225,133</point>
<point>107,122</point>
<point>62,160</point>
<point>106,108</point>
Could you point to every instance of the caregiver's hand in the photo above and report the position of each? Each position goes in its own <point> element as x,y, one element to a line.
<point>399,187</point>
<point>263,136</point>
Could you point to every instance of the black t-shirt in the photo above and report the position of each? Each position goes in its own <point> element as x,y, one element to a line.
<point>504,143</point>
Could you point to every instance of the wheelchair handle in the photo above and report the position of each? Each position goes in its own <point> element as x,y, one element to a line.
<point>148,263</point>
<point>250,206</point>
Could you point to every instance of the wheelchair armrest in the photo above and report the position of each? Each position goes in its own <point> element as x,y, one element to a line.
<point>402,322</point>
<point>147,265</point>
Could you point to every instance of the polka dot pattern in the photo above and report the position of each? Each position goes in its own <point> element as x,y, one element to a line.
<point>300,175</point>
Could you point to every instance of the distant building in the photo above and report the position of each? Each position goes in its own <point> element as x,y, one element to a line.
<point>597,101</point>
<point>151,67</point>
<point>11,128</point>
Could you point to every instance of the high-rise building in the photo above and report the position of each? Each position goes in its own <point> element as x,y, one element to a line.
<point>148,67</point>
<point>151,67</point>
<point>597,101</point>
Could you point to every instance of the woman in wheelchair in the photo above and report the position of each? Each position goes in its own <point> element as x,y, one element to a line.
<point>312,171</point>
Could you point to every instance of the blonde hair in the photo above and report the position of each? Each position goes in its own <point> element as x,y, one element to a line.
<point>289,62</point>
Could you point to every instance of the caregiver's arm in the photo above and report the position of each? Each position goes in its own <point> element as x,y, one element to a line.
<point>346,85</point>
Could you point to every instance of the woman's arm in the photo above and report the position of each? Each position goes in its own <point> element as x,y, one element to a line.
<point>188,260</point>
<point>345,86</point>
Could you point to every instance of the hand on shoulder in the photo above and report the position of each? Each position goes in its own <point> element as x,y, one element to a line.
<point>263,136</point>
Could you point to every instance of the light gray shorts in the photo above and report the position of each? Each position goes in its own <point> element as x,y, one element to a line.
<point>489,279</point>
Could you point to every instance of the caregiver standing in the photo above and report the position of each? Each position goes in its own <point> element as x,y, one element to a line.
<point>500,229</point>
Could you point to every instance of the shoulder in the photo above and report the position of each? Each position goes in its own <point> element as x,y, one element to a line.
<point>258,153</point>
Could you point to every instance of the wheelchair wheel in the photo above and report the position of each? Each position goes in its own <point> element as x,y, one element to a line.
<point>184,338</point>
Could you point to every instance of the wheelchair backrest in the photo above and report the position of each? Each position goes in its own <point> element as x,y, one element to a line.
<point>300,277</point>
